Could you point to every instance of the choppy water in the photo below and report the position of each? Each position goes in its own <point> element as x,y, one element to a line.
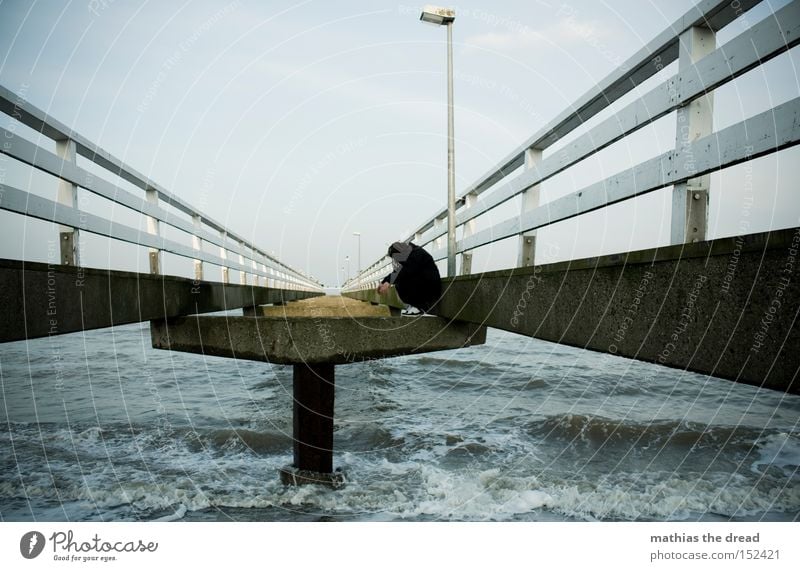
<point>99,426</point>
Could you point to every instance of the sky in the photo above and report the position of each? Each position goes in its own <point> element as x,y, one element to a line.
<point>297,124</point>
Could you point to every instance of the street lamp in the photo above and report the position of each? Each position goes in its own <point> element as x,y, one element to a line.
<point>446,16</point>
<point>347,259</point>
<point>358,235</point>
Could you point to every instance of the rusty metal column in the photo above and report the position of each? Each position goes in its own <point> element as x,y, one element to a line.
<point>314,390</point>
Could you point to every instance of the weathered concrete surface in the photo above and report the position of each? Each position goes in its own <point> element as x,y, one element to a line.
<point>293,340</point>
<point>37,300</point>
<point>725,307</point>
<point>323,306</point>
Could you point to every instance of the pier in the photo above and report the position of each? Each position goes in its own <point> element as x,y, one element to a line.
<point>723,306</point>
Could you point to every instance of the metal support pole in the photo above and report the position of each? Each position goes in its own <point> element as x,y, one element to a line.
<point>451,168</point>
<point>314,391</point>
<point>313,417</point>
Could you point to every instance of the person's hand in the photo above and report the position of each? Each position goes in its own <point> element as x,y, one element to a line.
<point>383,288</point>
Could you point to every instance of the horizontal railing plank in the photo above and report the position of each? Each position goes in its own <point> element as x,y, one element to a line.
<point>31,154</point>
<point>25,112</point>
<point>761,134</point>
<point>27,204</point>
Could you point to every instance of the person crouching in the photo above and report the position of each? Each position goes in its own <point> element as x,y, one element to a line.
<point>415,276</point>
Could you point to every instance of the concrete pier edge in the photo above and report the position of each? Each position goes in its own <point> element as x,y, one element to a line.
<point>724,308</point>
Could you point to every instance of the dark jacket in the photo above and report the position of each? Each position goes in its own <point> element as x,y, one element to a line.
<point>415,275</point>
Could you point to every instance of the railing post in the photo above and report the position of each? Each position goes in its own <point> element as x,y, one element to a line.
<point>526,253</point>
<point>468,230</point>
<point>242,273</point>
<point>197,244</point>
<point>690,198</point>
<point>223,253</point>
<point>154,254</point>
<point>440,224</point>
<point>68,195</point>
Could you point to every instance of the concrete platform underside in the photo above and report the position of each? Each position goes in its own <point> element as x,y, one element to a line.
<point>289,340</point>
<point>314,336</point>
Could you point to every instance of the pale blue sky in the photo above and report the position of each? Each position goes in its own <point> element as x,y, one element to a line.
<point>298,123</point>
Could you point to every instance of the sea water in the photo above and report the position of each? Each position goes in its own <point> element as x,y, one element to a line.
<point>100,426</point>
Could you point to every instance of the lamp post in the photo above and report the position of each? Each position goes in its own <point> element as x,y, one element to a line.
<point>358,235</point>
<point>347,260</point>
<point>446,17</point>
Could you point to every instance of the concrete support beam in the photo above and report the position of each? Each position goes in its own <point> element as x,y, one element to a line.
<point>37,300</point>
<point>726,308</point>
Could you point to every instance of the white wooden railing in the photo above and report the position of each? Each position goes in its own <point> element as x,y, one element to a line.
<point>699,150</point>
<point>206,235</point>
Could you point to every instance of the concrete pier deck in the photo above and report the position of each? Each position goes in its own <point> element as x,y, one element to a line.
<point>314,335</point>
<point>322,306</point>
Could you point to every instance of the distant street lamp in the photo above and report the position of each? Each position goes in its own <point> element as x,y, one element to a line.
<point>446,17</point>
<point>358,235</point>
<point>347,259</point>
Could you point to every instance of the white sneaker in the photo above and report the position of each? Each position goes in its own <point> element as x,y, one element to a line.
<point>410,311</point>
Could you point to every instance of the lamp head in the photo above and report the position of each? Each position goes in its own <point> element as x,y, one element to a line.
<point>437,15</point>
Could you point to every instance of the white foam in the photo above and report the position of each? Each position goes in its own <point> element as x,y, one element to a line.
<point>179,513</point>
<point>665,496</point>
<point>781,450</point>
